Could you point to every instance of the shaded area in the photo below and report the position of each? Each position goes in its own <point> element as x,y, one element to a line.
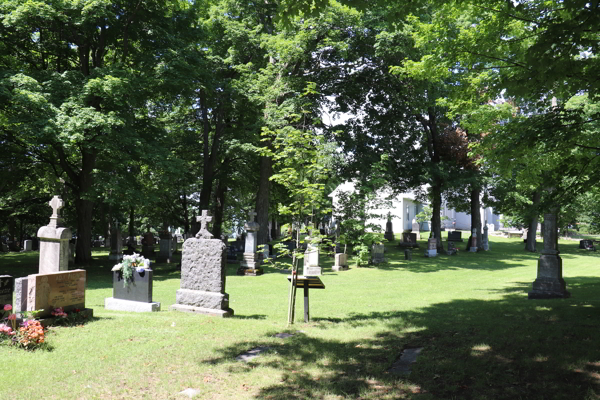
<point>501,349</point>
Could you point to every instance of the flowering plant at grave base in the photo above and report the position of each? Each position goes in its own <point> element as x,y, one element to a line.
<point>129,263</point>
<point>59,312</point>
<point>31,335</point>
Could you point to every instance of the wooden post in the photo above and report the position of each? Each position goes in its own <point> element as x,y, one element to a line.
<point>306,311</point>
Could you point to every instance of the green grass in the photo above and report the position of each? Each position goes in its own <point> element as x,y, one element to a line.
<point>481,337</point>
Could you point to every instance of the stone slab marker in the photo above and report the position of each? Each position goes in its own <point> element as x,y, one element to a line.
<point>165,252</point>
<point>203,264</point>
<point>341,262</point>
<point>27,245</point>
<point>416,228</point>
<point>431,248</point>
<point>21,294</point>
<point>377,253</point>
<point>485,242</point>
<point>54,241</point>
<point>58,289</point>
<point>549,283</point>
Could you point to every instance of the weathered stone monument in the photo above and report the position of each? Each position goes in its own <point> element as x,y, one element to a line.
<point>549,283</point>
<point>341,262</point>
<point>389,231</point>
<point>431,248</point>
<point>203,264</point>
<point>377,253</point>
<point>250,264</point>
<point>116,243</point>
<point>54,241</point>
<point>416,229</point>
<point>485,242</point>
<point>6,290</point>
<point>27,245</point>
<point>473,241</point>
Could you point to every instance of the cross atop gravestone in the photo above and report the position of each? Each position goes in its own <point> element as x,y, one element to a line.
<point>251,215</point>
<point>55,220</point>
<point>204,219</point>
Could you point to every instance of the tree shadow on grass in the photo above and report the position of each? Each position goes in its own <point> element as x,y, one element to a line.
<point>500,349</point>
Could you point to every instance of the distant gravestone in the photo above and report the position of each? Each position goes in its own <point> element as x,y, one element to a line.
<point>7,283</point>
<point>485,242</point>
<point>148,245</point>
<point>377,253</point>
<point>203,264</point>
<point>341,262</point>
<point>116,244</point>
<point>165,250</point>
<point>549,283</point>
<point>54,241</point>
<point>58,289</point>
<point>27,245</point>
<point>311,261</point>
<point>473,248</point>
<point>409,239</point>
<point>408,254</point>
<point>250,264</point>
<point>416,229</point>
<point>587,245</point>
<point>389,231</point>
<point>452,250</point>
<point>431,248</point>
<point>21,294</point>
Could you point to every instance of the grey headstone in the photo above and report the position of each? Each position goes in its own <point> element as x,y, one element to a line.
<point>6,290</point>
<point>21,285</point>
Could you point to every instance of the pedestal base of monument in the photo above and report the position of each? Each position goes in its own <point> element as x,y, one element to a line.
<point>473,249</point>
<point>313,271</point>
<point>245,271</point>
<point>338,268</point>
<point>549,283</point>
<point>201,310</point>
<point>202,302</point>
<point>431,253</point>
<point>110,303</point>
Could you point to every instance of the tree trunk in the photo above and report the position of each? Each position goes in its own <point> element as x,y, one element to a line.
<point>530,245</point>
<point>262,200</point>
<point>220,196</point>
<point>476,214</point>
<point>131,223</point>
<point>84,209</point>
<point>186,214</point>
<point>436,205</point>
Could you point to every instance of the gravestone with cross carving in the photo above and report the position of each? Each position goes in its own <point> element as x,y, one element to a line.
<point>203,263</point>
<point>250,264</point>
<point>54,241</point>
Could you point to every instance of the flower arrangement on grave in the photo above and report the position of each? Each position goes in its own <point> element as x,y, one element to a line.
<point>30,335</point>
<point>129,264</point>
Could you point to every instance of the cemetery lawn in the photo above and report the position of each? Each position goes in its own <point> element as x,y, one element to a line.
<point>481,338</point>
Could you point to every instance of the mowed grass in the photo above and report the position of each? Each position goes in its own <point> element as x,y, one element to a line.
<point>481,337</point>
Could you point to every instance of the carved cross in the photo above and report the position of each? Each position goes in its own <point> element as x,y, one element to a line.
<point>252,214</point>
<point>56,203</point>
<point>204,219</point>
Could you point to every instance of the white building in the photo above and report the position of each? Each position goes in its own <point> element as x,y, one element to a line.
<point>404,208</point>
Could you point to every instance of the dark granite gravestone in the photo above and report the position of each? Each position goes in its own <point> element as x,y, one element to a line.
<point>7,283</point>
<point>452,250</point>
<point>409,239</point>
<point>455,236</point>
<point>138,289</point>
<point>587,245</point>
<point>408,254</point>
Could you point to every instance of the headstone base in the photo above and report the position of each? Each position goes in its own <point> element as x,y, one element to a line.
<point>312,271</point>
<point>431,253</point>
<point>473,249</point>
<point>249,260</point>
<point>49,321</point>
<point>201,310</point>
<point>250,271</point>
<point>389,236</point>
<point>110,303</point>
<point>338,268</point>
<point>549,283</point>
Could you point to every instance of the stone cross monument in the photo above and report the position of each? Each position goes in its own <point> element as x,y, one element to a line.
<point>250,264</point>
<point>549,283</point>
<point>54,241</point>
<point>203,263</point>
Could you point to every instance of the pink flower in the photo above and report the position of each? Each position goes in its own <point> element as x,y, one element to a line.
<point>7,307</point>
<point>12,317</point>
